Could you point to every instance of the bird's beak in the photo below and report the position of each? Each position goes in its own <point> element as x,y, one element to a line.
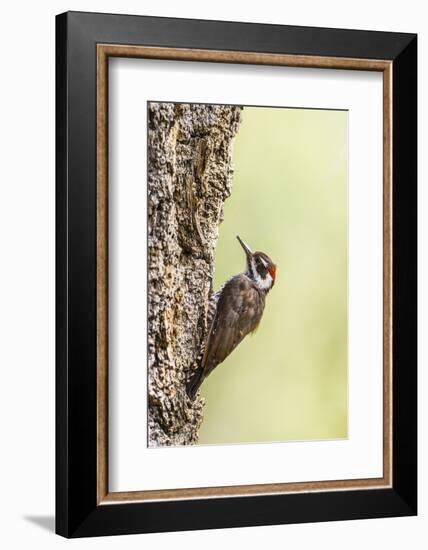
<point>245,246</point>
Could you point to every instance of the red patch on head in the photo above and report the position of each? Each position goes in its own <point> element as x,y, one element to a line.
<point>272,271</point>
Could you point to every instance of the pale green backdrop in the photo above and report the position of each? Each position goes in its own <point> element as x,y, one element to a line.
<point>288,381</point>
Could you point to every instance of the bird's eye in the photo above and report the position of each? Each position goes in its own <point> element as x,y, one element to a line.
<point>261,262</point>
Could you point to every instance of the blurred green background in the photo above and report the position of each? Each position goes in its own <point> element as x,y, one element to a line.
<point>288,381</point>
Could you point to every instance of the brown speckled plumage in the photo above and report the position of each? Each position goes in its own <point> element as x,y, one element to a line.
<point>239,309</point>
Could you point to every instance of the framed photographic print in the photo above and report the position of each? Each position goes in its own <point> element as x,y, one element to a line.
<point>236,274</point>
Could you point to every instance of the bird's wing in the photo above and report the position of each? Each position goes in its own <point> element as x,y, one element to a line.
<point>239,310</point>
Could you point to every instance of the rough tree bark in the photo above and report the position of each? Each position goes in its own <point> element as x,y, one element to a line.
<point>189,178</point>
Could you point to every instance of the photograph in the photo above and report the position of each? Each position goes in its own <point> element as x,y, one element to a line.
<point>212,277</point>
<point>247,251</point>
<point>236,274</point>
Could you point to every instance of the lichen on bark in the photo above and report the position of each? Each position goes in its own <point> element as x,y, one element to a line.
<point>189,178</point>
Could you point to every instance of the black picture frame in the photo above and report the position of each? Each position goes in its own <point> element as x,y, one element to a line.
<point>77,511</point>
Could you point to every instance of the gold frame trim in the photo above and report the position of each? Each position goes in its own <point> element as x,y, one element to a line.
<point>104,51</point>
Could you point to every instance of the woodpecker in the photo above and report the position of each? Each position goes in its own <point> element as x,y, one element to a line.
<point>239,306</point>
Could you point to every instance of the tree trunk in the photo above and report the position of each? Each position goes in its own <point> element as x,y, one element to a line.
<point>189,178</point>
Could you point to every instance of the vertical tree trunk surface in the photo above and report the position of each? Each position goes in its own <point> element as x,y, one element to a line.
<point>189,178</point>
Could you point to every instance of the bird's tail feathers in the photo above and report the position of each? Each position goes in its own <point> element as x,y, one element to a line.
<point>194,383</point>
